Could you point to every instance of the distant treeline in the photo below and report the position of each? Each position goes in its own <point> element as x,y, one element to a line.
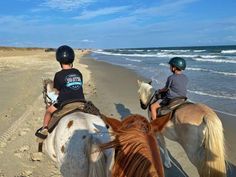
<point>4,48</point>
<point>20,48</point>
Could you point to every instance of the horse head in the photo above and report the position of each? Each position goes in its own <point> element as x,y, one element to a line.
<point>50,94</point>
<point>137,149</point>
<point>146,93</point>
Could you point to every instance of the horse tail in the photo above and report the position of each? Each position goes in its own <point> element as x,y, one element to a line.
<point>97,161</point>
<point>214,163</point>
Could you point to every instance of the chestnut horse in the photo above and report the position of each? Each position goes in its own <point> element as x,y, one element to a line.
<point>197,128</point>
<point>137,150</point>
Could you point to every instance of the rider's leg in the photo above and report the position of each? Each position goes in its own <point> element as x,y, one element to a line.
<point>48,115</point>
<point>154,108</point>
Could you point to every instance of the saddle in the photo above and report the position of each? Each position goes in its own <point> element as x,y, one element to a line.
<point>173,105</point>
<point>70,107</point>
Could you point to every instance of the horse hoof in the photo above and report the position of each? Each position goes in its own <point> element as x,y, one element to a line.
<point>167,164</point>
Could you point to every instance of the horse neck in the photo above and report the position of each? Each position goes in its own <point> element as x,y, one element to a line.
<point>150,95</point>
<point>137,155</point>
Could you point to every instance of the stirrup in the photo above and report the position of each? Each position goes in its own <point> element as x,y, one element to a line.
<point>42,133</point>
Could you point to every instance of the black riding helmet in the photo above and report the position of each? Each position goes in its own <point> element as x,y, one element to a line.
<point>178,62</point>
<point>65,54</point>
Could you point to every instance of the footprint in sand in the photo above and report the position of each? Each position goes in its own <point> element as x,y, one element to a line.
<point>21,150</point>
<point>24,132</point>
<point>3,144</point>
<point>25,173</point>
<point>37,156</point>
<point>1,173</point>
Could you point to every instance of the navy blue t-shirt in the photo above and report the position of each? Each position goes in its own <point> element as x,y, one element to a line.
<point>69,83</point>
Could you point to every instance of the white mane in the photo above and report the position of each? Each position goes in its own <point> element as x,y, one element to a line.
<point>145,92</point>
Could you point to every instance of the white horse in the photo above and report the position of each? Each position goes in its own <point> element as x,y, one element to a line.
<point>74,143</point>
<point>197,129</point>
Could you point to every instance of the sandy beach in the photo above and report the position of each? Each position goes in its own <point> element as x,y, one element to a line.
<point>112,89</point>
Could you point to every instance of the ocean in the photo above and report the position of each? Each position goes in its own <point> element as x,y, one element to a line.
<point>211,70</point>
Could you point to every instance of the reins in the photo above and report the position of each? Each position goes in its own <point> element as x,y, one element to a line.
<point>48,97</point>
<point>152,100</point>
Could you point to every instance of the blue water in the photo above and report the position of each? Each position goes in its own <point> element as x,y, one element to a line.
<point>211,71</point>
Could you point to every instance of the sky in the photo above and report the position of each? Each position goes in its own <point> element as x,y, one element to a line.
<point>117,23</point>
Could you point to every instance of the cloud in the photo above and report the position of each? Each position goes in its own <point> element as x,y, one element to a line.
<point>101,12</point>
<point>87,41</point>
<point>66,5</point>
<point>165,9</point>
<point>11,19</point>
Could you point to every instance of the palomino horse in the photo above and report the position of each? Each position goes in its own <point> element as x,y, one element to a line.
<point>197,129</point>
<point>137,152</point>
<point>74,143</point>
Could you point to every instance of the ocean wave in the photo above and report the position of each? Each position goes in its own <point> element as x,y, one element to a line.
<point>199,51</point>
<point>175,50</point>
<point>163,54</point>
<point>158,54</point>
<point>131,50</point>
<point>208,56</point>
<point>125,55</point>
<point>212,71</point>
<point>166,55</point>
<point>228,51</point>
<point>135,60</point>
<point>212,95</point>
<point>214,60</point>
<point>204,70</point>
<point>164,64</point>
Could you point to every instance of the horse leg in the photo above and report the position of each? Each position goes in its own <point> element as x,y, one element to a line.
<point>191,139</point>
<point>167,161</point>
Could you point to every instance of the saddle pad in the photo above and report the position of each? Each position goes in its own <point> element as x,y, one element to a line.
<point>68,108</point>
<point>171,107</point>
<point>86,107</point>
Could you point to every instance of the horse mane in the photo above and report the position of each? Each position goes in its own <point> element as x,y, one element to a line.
<point>145,92</point>
<point>47,87</point>
<point>137,152</point>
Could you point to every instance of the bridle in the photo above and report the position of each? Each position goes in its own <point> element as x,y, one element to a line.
<point>47,100</point>
<point>150,102</point>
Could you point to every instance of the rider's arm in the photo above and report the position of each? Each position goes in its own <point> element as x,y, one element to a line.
<point>163,90</point>
<point>167,86</point>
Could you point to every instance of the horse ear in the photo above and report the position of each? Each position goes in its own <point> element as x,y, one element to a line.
<point>160,123</point>
<point>139,82</point>
<point>113,122</point>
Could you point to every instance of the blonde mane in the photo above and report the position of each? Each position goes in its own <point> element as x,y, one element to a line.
<point>145,92</point>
